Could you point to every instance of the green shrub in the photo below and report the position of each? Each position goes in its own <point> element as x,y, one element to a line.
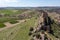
<point>2,25</point>
<point>13,21</point>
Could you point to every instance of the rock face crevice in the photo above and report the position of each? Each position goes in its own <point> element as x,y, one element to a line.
<point>46,22</point>
<point>42,27</point>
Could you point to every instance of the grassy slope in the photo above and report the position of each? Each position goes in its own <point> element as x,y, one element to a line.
<point>55,27</point>
<point>11,11</point>
<point>56,30</point>
<point>23,32</point>
<point>3,19</point>
<point>19,32</point>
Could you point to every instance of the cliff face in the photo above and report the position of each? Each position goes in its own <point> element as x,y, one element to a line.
<point>46,21</point>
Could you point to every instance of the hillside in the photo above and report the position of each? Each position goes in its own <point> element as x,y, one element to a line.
<point>16,24</point>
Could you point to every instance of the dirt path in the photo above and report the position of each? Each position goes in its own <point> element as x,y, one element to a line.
<point>8,25</point>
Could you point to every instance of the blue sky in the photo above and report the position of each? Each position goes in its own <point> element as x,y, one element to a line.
<point>28,3</point>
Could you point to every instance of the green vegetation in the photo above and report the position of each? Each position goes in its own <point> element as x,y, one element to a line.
<point>23,34</point>
<point>4,19</point>
<point>8,15</point>
<point>56,30</point>
<point>9,12</point>
<point>2,25</point>
<point>19,32</point>
<point>13,21</point>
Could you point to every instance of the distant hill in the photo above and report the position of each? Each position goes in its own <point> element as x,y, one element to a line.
<point>29,8</point>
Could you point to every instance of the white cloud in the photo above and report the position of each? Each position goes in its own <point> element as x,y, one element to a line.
<point>4,3</point>
<point>11,0</point>
<point>8,0</point>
